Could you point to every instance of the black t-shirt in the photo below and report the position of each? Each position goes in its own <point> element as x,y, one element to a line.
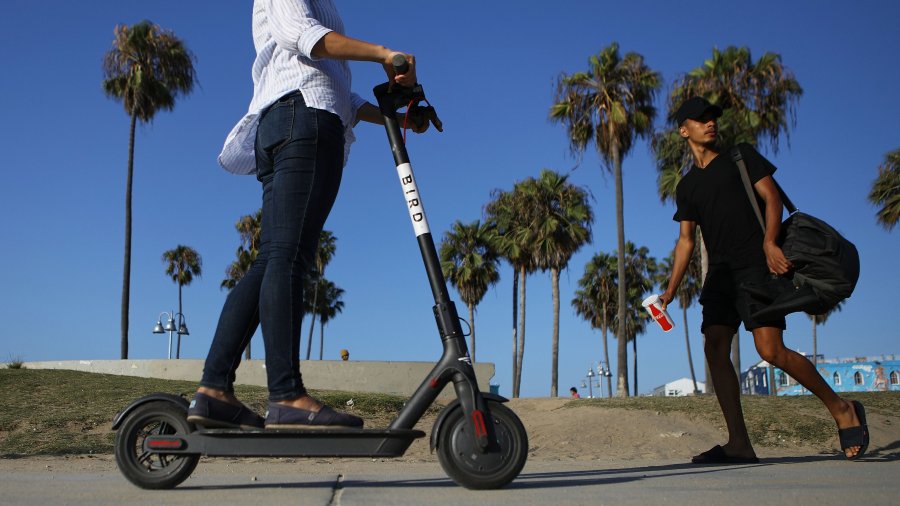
<point>714,198</point>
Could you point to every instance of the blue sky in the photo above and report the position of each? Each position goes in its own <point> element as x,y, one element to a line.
<point>490,69</point>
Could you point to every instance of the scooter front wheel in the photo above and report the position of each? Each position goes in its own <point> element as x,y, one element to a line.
<point>153,470</point>
<point>490,469</point>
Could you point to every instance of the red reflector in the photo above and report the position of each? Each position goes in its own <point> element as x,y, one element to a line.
<point>166,444</point>
<point>478,419</point>
<point>434,383</point>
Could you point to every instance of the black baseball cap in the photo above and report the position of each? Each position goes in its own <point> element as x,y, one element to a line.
<point>694,108</point>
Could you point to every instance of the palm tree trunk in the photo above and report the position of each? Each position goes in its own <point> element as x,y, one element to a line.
<point>515,343</point>
<point>181,315</point>
<point>736,353</point>
<point>622,368</point>
<point>710,388</point>
<point>312,321</point>
<point>773,389</point>
<point>554,367</point>
<point>321,338</point>
<point>704,269</point>
<point>522,275</point>
<point>687,343</point>
<point>704,260</point>
<point>606,352</point>
<point>815,360</point>
<point>472,330</point>
<point>247,351</point>
<point>634,347</point>
<point>126,275</point>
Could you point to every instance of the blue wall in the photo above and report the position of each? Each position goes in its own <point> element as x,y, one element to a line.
<point>845,376</point>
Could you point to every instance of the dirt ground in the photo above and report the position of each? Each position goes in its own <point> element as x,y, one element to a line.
<point>588,433</point>
<point>558,433</point>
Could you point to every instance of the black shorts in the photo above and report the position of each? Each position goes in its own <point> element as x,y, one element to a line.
<point>725,303</point>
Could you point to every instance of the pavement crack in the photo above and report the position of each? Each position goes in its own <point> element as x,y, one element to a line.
<point>336,491</point>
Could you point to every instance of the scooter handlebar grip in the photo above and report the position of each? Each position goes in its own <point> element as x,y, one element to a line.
<point>400,64</point>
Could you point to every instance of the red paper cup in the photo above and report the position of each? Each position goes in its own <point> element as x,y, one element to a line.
<point>660,315</point>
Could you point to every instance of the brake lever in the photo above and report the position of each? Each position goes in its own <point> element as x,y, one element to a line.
<point>421,114</point>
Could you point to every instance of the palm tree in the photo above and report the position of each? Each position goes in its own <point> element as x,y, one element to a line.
<point>146,69</point>
<point>759,102</point>
<point>324,253</point>
<point>182,264</point>
<point>820,320</point>
<point>563,225</point>
<point>470,264</point>
<point>595,299</point>
<point>508,216</point>
<point>886,190</point>
<point>249,227</point>
<point>758,99</point>
<point>640,274</point>
<point>611,104</point>
<point>330,304</point>
<point>688,292</point>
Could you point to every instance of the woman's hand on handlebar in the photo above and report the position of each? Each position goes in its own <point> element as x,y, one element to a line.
<point>407,78</point>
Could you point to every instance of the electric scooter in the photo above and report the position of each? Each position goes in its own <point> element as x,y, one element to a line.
<point>480,443</point>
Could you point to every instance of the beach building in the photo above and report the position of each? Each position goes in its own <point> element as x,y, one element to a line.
<point>678,388</point>
<point>859,374</point>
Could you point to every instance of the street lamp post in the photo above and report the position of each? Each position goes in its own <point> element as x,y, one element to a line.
<point>170,327</point>
<point>602,370</point>
<point>590,382</point>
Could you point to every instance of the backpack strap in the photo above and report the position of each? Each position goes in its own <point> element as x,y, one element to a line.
<point>751,194</point>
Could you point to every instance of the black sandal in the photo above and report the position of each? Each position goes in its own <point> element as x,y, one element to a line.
<point>717,455</point>
<point>856,436</point>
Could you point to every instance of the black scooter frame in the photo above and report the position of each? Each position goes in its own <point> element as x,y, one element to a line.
<point>454,365</point>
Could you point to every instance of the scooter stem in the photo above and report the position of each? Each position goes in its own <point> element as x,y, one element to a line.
<point>455,364</point>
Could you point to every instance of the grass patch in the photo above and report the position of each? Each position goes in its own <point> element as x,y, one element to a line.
<point>771,421</point>
<point>71,412</point>
<point>15,363</point>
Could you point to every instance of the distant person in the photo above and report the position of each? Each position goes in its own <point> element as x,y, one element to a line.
<point>712,196</point>
<point>345,355</point>
<point>574,393</point>
<point>295,138</point>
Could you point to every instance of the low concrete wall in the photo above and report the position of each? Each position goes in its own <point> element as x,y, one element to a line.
<point>400,378</point>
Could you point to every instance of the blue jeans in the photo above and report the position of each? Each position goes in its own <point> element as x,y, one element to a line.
<point>299,161</point>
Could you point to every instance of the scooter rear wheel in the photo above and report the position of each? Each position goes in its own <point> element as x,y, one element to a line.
<point>153,470</point>
<point>492,469</point>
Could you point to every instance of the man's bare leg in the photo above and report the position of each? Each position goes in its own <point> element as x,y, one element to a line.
<point>717,347</point>
<point>770,345</point>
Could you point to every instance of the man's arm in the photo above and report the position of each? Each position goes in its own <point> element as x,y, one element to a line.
<point>683,251</point>
<point>777,262</point>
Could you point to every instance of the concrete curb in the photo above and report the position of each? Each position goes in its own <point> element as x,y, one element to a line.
<point>398,378</point>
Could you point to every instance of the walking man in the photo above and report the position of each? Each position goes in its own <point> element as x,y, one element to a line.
<point>711,196</point>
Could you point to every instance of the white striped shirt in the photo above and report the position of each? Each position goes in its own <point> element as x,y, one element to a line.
<point>284,33</point>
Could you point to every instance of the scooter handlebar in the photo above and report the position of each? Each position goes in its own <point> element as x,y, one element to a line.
<point>400,64</point>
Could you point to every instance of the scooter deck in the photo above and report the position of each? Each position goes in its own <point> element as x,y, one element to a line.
<point>286,442</point>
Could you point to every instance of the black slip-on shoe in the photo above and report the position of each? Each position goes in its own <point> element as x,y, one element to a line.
<point>287,417</point>
<point>212,413</point>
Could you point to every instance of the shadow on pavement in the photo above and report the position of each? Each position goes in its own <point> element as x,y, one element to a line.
<point>261,485</point>
<point>590,477</point>
<point>887,453</point>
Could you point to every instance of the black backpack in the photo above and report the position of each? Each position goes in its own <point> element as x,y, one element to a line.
<point>826,265</point>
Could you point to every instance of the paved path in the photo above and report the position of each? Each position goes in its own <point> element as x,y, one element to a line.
<point>815,480</point>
